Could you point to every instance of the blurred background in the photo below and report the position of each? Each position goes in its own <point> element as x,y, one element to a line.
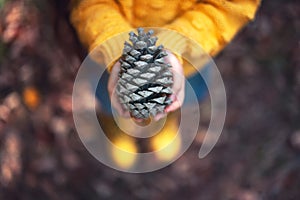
<point>41,156</point>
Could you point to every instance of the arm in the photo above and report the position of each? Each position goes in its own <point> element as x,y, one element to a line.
<point>213,23</point>
<point>97,20</point>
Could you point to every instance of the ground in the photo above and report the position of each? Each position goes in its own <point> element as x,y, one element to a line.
<point>41,156</point>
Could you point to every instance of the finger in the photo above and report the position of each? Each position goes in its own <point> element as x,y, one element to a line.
<point>159,116</point>
<point>137,119</point>
<point>177,101</point>
<point>178,81</point>
<point>177,70</point>
<point>117,105</point>
<point>174,105</point>
<point>112,82</point>
<point>122,112</point>
<point>113,78</point>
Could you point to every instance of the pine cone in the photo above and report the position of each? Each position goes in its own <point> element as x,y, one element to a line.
<point>145,82</point>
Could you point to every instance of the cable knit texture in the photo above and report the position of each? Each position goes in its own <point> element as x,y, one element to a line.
<point>211,23</point>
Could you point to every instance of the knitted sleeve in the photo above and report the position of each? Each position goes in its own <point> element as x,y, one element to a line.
<point>213,23</point>
<point>97,20</point>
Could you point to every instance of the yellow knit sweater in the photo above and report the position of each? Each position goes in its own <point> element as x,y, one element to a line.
<point>211,23</point>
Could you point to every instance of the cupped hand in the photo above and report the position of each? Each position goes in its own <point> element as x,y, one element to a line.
<point>178,88</point>
<point>112,83</point>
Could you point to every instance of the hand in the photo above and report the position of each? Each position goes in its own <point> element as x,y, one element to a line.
<point>112,83</point>
<point>178,88</point>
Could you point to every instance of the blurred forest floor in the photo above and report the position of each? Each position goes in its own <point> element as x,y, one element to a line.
<point>41,156</point>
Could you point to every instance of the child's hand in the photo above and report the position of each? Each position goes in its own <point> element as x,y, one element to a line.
<point>178,88</point>
<point>178,85</point>
<point>112,83</point>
